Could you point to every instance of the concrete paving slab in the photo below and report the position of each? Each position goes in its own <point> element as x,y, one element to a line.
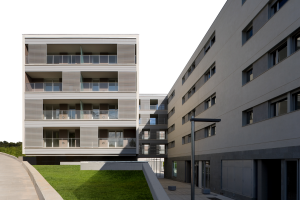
<point>183,191</point>
<point>15,182</point>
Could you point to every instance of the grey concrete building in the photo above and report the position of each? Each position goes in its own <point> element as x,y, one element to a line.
<point>246,72</point>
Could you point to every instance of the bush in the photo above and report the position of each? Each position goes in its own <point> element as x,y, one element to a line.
<point>15,151</point>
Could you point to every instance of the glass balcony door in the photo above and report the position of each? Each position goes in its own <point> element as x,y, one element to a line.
<point>115,139</point>
<point>95,85</point>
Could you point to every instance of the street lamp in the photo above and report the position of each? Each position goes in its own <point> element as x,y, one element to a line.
<point>193,120</point>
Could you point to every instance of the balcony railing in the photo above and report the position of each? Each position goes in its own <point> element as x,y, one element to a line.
<point>117,142</point>
<point>153,107</point>
<point>61,142</point>
<point>100,86</point>
<point>152,151</point>
<point>81,59</point>
<point>80,114</point>
<point>153,121</point>
<point>44,87</point>
<point>151,136</point>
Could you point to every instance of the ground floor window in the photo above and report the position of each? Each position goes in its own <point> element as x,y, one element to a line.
<point>206,174</point>
<point>174,168</point>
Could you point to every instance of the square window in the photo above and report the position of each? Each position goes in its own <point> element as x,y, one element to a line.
<point>282,52</point>
<point>279,108</point>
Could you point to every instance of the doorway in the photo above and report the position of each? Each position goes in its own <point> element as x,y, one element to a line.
<point>206,174</point>
<point>291,180</point>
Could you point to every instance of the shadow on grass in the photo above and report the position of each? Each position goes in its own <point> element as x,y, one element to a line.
<point>114,185</point>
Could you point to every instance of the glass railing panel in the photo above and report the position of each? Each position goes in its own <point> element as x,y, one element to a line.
<point>57,87</point>
<point>117,142</point>
<point>113,86</point>
<point>86,86</point>
<point>95,86</point>
<point>74,142</point>
<point>152,121</point>
<point>112,59</point>
<point>113,114</point>
<point>103,58</point>
<point>103,114</point>
<point>57,59</point>
<point>86,59</point>
<point>153,107</point>
<point>50,59</point>
<point>75,59</point>
<point>38,87</point>
<point>48,87</point>
<point>47,142</point>
<point>103,86</point>
<point>66,59</point>
<point>96,114</point>
<point>95,59</point>
<point>87,114</point>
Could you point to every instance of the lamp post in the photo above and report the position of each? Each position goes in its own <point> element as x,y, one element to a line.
<point>193,120</point>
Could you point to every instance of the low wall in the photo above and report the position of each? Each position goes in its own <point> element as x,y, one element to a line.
<point>157,191</point>
<point>69,163</point>
<point>111,165</point>
<point>44,190</point>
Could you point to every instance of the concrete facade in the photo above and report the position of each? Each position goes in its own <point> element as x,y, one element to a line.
<point>220,67</point>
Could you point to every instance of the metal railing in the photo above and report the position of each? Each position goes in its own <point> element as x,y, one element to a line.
<point>152,151</point>
<point>80,114</point>
<point>44,87</point>
<point>99,86</point>
<point>153,107</point>
<point>117,142</point>
<point>155,136</point>
<point>152,121</point>
<point>61,142</point>
<point>81,59</point>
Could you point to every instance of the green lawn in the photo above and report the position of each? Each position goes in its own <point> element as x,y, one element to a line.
<point>72,183</point>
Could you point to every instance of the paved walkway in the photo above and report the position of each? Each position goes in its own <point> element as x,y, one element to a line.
<point>15,182</point>
<point>183,191</point>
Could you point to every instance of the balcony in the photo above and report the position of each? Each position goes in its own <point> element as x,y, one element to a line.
<point>153,150</point>
<point>81,59</point>
<point>44,87</point>
<point>153,107</point>
<point>117,142</point>
<point>99,86</point>
<point>147,135</point>
<point>61,142</point>
<point>80,114</point>
<point>153,121</point>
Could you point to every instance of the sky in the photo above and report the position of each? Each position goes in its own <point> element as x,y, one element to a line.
<point>169,32</point>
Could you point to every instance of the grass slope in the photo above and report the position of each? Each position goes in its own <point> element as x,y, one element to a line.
<point>72,183</point>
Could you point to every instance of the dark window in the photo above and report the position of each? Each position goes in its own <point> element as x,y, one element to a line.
<point>207,103</point>
<point>213,71</point>
<point>183,120</point>
<point>282,52</point>
<point>207,48</point>
<point>249,33</point>
<point>183,80</point>
<point>249,117</point>
<point>193,90</point>
<point>243,1</point>
<point>183,100</point>
<point>274,9</point>
<point>189,94</point>
<point>249,75</point>
<point>213,40</point>
<point>189,138</point>
<point>213,130</point>
<point>297,43</point>
<point>183,140</point>
<point>279,108</point>
<point>213,100</point>
<point>273,58</point>
<point>296,98</point>
<point>282,2</point>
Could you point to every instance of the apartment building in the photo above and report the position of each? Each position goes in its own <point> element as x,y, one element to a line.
<point>245,72</point>
<point>153,125</point>
<point>80,97</point>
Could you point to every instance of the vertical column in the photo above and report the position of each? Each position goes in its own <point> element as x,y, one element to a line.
<point>283,180</point>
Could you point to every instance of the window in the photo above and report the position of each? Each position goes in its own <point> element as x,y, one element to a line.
<point>296,101</point>
<point>174,169</point>
<point>189,138</point>
<point>171,96</point>
<point>249,74</point>
<point>243,1</point>
<point>189,94</point>
<point>210,130</point>
<point>213,100</point>
<point>161,135</point>
<point>279,108</point>
<point>193,90</point>
<point>183,140</point>
<point>249,33</point>
<point>249,117</point>
<point>210,72</point>
<point>146,149</point>
<point>297,42</point>
<point>146,135</point>
<point>207,103</point>
<point>276,6</point>
<point>171,128</point>
<point>188,73</point>
<point>278,55</point>
<point>183,99</point>
<point>183,120</point>
<point>183,80</point>
<point>209,44</point>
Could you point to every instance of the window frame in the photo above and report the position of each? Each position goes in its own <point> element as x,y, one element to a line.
<point>274,112</point>
<point>248,119</point>
<point>274,55</point>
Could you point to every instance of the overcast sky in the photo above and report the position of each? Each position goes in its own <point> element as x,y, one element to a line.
<point>170,31</point>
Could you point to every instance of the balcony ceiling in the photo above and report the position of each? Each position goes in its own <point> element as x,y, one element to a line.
<point>77,101</point>
<point>72,49</point>
<point>99,74</point>
<point>45,74</point>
